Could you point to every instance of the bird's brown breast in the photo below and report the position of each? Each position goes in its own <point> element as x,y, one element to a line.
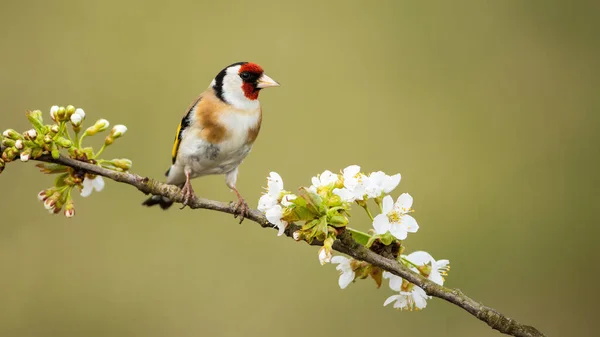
<point>215,128</point>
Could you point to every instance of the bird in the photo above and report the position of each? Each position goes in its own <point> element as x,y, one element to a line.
<point>217,132</point>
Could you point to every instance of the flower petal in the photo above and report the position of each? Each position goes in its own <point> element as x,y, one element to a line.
<point>345,279</point>
<point>265,202</point>
<point>338,259</point>
<point>344,194</point>
<point>419,297</point>
<point>404,202</point>
<point>381,224</point>
<point>420,258</point>
<point>391,183</point>
<point>388,204</point>
<point>274,184</point>
<point>409,223</point>
<point>282,225</point>
<point>274,214</point>
<point>98,183</point>
<point>351,171</point>
<point>395,282</point>
<point>398,231</point>
<point>391,299</point>
<point>87,187</point>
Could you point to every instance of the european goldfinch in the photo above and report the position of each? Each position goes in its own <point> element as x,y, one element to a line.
<point>217,132</point>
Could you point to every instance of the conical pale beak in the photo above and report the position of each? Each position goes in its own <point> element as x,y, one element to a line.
<point>265,81</point>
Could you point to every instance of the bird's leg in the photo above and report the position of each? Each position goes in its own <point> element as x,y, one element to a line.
<point>241,207</point>
<point>187,190</point>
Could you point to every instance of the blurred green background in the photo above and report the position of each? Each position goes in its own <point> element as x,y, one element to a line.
<point>489,109</point>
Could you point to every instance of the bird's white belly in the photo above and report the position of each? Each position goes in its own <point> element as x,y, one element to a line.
<point>204,158</point>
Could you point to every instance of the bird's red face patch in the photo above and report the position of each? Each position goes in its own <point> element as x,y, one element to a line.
<point>250,73</point>
<point>251,68</point>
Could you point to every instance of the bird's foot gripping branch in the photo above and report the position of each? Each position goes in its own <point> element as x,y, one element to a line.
<point>318,214</point>
<point>63,135</point>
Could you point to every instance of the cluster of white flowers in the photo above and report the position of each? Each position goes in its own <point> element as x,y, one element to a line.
<point>410,296</point>
<point>350,186</point>
<point>355,185</point>
<point>394,222</point>
<point>272,202</point>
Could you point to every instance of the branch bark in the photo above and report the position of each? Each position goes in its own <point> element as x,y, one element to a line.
<point>344,244</point>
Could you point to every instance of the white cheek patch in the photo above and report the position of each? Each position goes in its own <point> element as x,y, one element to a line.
<point>233,93</point>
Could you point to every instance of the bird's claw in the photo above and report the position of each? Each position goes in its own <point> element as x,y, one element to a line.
<point>240,208</point>
<point>188,195</point>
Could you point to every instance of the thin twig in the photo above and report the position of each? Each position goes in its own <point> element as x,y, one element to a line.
<point>344,244</point>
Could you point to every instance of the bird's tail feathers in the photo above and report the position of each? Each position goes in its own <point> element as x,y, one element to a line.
<point>163,202</point>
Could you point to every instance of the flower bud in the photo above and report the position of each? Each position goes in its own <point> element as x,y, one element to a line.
<point>122,163</point>
<point>70,110</point>
<point>9,154</point>
<point>43,195</point>
<point>54,129</point>
<point>12,134</point>
<point>118,131</point>
<point>80,112</point>
<point>63,142</point>
<point>69,209</point>
<point>2,165</point>
<point>47,139</point>
<point>325,255</point>
<point>55,154</point>
<point>31,134</point>
<point>7,142</point>
<point>53,111</point>
<point>24,156</point>
<point>36,152</point>
<point>100,125</point>
<point>76,119</point>
<point>19,144</point>
<point>297,235</point>
<point>61,114</point>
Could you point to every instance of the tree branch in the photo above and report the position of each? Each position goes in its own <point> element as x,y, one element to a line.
<point>344,244</point>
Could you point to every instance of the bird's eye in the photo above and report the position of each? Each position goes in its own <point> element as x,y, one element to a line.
<point>245,75</point>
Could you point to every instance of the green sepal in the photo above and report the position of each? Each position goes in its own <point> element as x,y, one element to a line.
<point>35,118</point>
<point>60,180</point>
<point>54,151</point>
<point>387,238</point>
<point>51,168</point>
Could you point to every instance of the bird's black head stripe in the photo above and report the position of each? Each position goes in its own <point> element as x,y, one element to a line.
<point>218,87</point>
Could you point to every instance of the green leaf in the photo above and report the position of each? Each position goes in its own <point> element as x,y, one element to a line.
<point>360,237</point>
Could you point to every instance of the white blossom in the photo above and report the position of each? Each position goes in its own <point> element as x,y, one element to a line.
<point>272,202</point>
<point>355,184</point>
<point>346,273</point>
<point>274,189</point>
<point>380,183</point>
<point>409,295</point>
<point>274,215</point>
<point>90,185</point>
<point>436,269</point>
<point>325,179</point>
<point>394,217</point>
